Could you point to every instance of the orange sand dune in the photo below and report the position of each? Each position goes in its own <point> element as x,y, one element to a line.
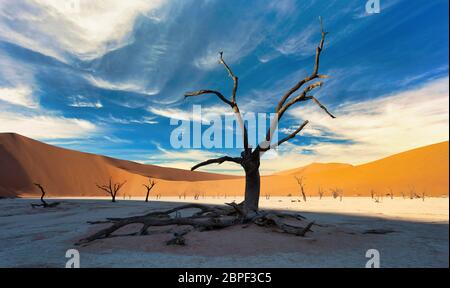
<point>313,168</point>
<point>71,173</point>
<point>64,172</point>
<point>422,170</point>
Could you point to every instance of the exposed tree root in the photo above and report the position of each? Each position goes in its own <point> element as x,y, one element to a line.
<point>207,218</point>
<point>45,205</point>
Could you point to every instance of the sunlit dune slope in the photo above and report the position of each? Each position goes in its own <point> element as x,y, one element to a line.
<point>63,172</point>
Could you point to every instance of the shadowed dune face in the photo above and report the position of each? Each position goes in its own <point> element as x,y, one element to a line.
<point>68,173</point>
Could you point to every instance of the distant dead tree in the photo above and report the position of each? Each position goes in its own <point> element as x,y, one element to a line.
<point>372,193</point>
<point>302,186</point>
<point>44,204</point>
<point>391,193</point>
<point>249,159</point>
<point>149,187</point>
<point>412,193</point>
<point>321,192</point>
<point>196,196</point>
<point>423,196</point>
<point>111,189</point>
<point>336,193</point>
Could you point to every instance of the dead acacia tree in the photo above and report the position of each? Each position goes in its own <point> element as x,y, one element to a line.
<point>336,193</point>
<point>44,204</point>
<point>149,187</point>
<point>247,211</point>
<point>302,186</point>
<point>321,192</point>
<point>111,189</point>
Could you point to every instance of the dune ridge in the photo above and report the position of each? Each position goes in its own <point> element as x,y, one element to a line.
<point>69,173</point>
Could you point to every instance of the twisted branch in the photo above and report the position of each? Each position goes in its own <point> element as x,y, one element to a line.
<point>237,160</point>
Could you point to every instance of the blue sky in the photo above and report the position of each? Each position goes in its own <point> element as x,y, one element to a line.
<point>107,77</point>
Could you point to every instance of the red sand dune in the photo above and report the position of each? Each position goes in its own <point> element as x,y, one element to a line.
<point>71,173</point>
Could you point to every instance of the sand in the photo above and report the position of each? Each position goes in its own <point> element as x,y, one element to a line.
<point>419,235</point>
<point>71,173</point>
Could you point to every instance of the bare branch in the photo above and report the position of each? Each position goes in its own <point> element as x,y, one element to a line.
<point>299,98</point>
<point>202,92</point>
<point>235,79</point>
<point>314,75</point>
<point>293,134</point>
<point>320,105</point>
<point>231,103</point>
<point>119,186</point>
<point>150,185</point>
<point>104,188</point>
<point>236,160</point>
<point>233,100</point>
<point>282,106</point>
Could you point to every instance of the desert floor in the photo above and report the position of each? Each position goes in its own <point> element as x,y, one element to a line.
<point>418,235</point>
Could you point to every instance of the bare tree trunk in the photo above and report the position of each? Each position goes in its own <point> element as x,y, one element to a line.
<point>113,198</point>
<point>303,194</point>
<point>252,190</point>
<point>146,198</point>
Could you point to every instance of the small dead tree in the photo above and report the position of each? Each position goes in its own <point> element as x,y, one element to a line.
<point>302,186</point>
<point>321,192</point>
<point>412,193</point>
<point>391,193</point>
<point>44,204</point>
<point>249,159</point>
<point>111,189</point>
<point>335,192</point>
<point>149,187</point>
<point>372,193</point>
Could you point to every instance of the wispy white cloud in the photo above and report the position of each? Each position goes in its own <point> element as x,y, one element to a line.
<point>373,129</point>
<point>207,113</point>
<point>17,83</point>
<point>41,126</point>
<point>117,140</point>
<point>302,43</point>
<point>236,43</point>
<point>80,101</point>
<point>125,121</point>
<point>21,96</point>
<point>130,86</point>
<point>87,29</point>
